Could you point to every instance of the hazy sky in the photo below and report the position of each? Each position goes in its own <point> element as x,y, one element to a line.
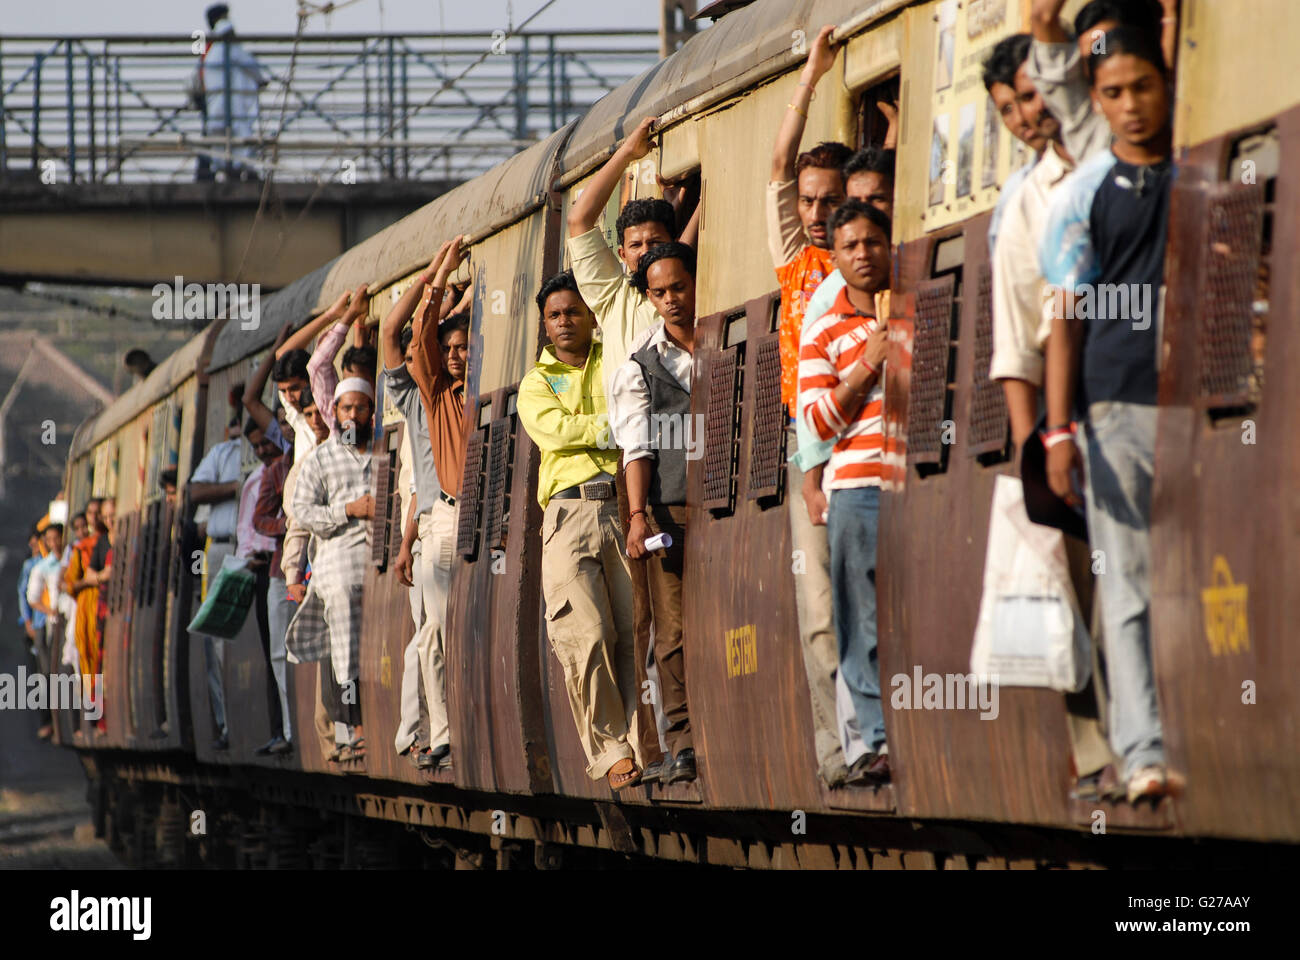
<point>80,17</point>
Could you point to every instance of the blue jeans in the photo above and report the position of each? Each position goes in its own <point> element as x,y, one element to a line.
<point>852,528</point>
<point>1119,452</point>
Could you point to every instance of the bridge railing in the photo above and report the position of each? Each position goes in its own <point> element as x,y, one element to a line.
<point>372,107</point>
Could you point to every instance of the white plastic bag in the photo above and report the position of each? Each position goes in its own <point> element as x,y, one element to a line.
<point>1030,632</point>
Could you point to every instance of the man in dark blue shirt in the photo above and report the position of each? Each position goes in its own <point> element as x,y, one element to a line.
<point>1102,256</point>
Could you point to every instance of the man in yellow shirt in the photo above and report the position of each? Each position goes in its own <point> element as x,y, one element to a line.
<point>585,574</point>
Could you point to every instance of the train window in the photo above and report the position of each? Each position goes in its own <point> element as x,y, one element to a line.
<point>931,428</point>
<point>1235,218</point>
<point>722,419</point>
<point>767,437</point>
<point>1255,161</point>
<point>737,330</point>
<point>872,123</point>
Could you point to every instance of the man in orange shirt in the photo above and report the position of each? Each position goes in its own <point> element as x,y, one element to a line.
<point>804,189</point>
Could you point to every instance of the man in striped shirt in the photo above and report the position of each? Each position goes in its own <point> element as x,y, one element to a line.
<point>841,395</point>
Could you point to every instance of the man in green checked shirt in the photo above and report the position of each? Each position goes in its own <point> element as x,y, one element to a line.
<point>585,574</point>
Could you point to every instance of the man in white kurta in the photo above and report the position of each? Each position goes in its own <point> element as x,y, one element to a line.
<point>332,501</point>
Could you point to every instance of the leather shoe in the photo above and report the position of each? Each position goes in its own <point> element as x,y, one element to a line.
<point>441,756</point>
<point>857,774</point>
<point>878,771</point>
<point>683,767</point>
<point>654,771</point>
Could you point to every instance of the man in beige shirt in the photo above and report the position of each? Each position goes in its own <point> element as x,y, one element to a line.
<point>624,315</point>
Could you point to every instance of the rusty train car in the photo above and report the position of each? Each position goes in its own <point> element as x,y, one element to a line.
<point>965,791</point>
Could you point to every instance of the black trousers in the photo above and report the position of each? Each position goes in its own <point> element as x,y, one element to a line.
<point>263,574</point>
<point>331,696</point>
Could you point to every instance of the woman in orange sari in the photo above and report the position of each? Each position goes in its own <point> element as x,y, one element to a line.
<point>86,592</point>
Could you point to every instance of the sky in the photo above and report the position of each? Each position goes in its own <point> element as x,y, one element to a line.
<point>91,17</point>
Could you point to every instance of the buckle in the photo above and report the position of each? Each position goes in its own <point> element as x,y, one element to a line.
<point>597,490</point>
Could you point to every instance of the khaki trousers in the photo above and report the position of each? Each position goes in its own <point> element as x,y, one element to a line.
<point>812,599</point>
<point>591,623</point>
<point>646,725</point>
<point>437,548</point>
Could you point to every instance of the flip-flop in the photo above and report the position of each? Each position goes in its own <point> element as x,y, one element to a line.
<point>632,776</point>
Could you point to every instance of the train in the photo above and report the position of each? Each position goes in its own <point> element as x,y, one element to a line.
<point>965,791</point>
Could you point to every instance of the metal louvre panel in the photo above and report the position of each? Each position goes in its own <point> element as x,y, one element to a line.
<point>989,422</point>
<point>500,462</point>
<point>720,431</point>
<point>379,523</point>
<point>152,544</point>
<point>470,498</point>
<point>767,441</point>
<point>1229,269</point>
<point>931,356</point>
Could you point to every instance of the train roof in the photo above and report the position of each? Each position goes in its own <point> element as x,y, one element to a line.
<point>162,381</point>
<point>507,192</point>
<point>738,50</point>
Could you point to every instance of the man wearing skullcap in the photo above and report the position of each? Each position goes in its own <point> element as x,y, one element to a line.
<point>332,501</point>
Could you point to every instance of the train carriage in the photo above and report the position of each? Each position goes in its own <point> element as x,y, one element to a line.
<point>1221,611</point>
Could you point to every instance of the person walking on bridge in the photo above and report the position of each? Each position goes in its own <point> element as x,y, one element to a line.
<point>225,87</point>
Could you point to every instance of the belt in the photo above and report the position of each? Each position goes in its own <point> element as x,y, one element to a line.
<point>447,498</point>
<point>592,490</point>
<point>221,539</point>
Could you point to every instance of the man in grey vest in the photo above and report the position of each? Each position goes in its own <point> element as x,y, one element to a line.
<point>650,407</point>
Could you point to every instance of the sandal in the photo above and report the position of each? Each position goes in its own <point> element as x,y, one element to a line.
<point>628,776</point>
<point>357,748</point>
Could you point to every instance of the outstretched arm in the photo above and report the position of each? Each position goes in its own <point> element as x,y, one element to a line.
<point>390,331</point>
<point>259,411</point>
<point>786,150</point>
<point>585,212</point>
<point>1045,21</point>
<point>1169,32</point>
<point>309,331</point>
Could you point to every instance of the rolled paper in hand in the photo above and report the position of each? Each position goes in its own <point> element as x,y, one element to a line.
<point>660,541</point>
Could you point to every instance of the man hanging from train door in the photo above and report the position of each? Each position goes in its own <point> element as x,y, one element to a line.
<point>333,502</point>
<point>435,516</point>
<point>439,365</point>
<point>803,190</point>
<point>1107,230</point>
<point>651,400</point>
<point>216,481</point>
<point>868,177</point>
<point>258,550</point>
<point>623,314</point>
<point>296,554</point>
<point>1021,327</point>
<point>841,386</point>
<point>586,580</point>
